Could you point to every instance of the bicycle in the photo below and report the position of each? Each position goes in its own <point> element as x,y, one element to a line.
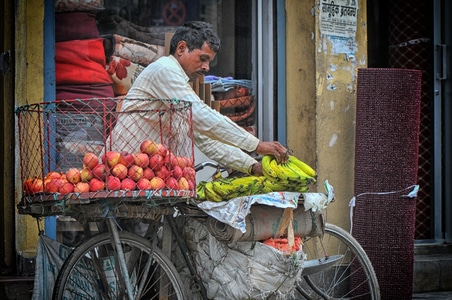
<point>96,267</point>
<point>118,264</point>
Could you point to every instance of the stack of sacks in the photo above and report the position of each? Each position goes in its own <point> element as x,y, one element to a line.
<point>80,58</point>
<point>80,62</point>
<point>131,48</point>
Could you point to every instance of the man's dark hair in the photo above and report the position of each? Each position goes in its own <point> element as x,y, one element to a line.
<point>195,34</point>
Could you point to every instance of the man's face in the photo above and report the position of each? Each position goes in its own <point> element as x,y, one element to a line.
<point>196,62</point>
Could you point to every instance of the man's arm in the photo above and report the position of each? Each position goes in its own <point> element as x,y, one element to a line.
<point>226,155</point>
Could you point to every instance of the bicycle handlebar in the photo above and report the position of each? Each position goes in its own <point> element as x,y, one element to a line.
<point>204,164</point>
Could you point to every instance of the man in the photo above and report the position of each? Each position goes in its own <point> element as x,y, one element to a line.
<point>192,48</point>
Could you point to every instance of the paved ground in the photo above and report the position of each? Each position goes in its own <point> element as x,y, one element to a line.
<point>24,291</point>
<point>433,295</point>
<point>16,290</point>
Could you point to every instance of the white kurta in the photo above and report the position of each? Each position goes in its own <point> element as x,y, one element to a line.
<point>214,134</point>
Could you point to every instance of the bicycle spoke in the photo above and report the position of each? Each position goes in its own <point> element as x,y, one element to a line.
<point>350,277</point>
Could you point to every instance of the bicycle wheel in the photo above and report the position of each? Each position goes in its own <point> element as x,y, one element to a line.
<point>337,267</point>
<point>92,271</point>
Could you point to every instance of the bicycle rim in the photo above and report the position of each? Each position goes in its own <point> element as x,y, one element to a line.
<point>92,271</point>
<point>351,276</point>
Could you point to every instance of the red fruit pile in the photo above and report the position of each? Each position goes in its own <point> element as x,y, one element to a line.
<point>153,167</point>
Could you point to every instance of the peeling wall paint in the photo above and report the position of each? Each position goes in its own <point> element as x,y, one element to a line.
<point>337,62</point>
<point>321,96</point>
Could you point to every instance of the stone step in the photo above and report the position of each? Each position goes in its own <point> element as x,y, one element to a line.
<point>432,268</point>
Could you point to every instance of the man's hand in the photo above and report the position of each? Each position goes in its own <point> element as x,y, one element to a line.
<point>273,148</point>
<point>256,169</point>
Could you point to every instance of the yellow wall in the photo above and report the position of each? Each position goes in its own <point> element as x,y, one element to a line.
<point>321,100</point>
<point>29,89</point>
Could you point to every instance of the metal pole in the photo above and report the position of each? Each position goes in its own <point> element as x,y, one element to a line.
<point>122,262</point>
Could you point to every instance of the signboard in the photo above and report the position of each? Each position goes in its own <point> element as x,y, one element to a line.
<point>338,17</point>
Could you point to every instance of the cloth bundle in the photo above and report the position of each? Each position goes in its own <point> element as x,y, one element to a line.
<point>75,26</point>
<point>123,72</point>
<point>85,91</point>
<point>80,58</point>
<point>81,62</point>
<point>136,51</point>
<point>114,24</point>
<point>78,5</point>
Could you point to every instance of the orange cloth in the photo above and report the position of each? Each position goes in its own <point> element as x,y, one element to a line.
<point>282,244</point>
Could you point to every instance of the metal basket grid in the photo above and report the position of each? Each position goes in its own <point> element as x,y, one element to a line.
<point>54,137</point>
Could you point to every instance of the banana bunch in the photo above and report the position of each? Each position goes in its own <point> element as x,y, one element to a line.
<point>293,175</point>
<point>222,189</point>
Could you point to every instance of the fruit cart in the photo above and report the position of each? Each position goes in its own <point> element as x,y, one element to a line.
<point>87,159</point>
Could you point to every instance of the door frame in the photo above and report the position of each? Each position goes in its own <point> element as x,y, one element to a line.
<point>442,110</point>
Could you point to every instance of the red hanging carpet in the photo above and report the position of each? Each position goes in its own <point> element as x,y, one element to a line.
<point>386,166</point>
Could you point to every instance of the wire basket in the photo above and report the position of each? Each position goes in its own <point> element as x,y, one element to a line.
<point>84,150</point>
<point>238,109</point>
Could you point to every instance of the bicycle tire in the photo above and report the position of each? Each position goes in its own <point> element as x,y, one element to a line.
<point>90,271</point>
<point>352,276</point>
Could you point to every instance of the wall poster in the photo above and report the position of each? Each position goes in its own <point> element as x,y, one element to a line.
<point>338,17</point>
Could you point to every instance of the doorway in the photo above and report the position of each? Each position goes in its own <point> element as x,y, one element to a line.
<point>416,35</point>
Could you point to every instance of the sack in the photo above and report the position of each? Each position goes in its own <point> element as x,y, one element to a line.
<point>243,270</point>
<point>50,257</point>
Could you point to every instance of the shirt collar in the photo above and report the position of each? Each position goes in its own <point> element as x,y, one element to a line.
<point>187,79</point>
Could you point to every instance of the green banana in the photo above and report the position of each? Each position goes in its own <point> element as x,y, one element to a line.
<point>200,190</point>
<point>300,189</point>
<point>266,190</point>
<point>211,195</point>
<point>275,186</point>
<point>255,188</point>
<point>302,166</point>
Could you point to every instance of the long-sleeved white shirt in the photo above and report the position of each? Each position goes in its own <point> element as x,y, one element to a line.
<point>215,135</point>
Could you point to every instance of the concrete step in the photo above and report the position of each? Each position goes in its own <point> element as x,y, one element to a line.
<point>441,295</point>
<point>432,268</point>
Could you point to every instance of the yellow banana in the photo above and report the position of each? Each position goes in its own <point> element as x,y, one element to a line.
<point>302,166</point>
<point>279,173</point>
<point>244,184</point>
<point>211,195</point>
<point>292,173</point>
<point>245,180</point>
<point>267,169</point>
<point>284,173</point>
<point>304,178</point>
<point>224,188</point>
